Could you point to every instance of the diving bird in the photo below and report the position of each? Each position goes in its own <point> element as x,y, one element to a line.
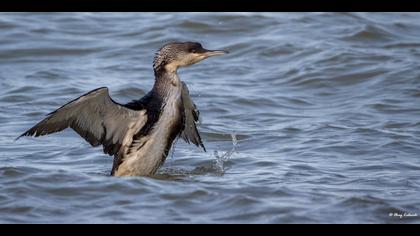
<point>138,134</point>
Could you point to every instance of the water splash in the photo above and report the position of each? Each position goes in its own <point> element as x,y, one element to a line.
<point>223,158</point>
<point>217,168</point>
<point>172,152</point>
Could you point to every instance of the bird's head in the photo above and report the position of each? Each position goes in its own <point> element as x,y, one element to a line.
<point>179,54</point>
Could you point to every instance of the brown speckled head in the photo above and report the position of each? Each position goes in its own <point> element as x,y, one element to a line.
<point>179,54</point>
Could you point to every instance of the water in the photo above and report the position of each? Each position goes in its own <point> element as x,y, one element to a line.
<point>312,118</point>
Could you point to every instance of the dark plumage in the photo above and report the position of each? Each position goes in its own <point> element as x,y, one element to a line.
<point>138,134</point>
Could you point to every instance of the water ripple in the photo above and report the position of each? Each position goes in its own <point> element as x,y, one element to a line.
<point>323,108</point>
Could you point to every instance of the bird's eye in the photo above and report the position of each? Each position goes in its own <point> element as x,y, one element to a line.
<point>193,51</point>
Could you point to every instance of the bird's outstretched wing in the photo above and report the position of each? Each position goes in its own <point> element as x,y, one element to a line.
<point>191,116</point>
<point>96,118</point>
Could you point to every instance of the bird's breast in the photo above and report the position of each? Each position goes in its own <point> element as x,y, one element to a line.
<point>149,152</point>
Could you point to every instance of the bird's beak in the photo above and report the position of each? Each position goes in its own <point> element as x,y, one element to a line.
<point>210,53</point>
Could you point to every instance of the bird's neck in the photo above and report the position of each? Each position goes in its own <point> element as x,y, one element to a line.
<point>166,80</point>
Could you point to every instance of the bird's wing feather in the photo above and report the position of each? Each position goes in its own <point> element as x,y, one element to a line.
<point>191,116</point>
<point>95,117</point>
